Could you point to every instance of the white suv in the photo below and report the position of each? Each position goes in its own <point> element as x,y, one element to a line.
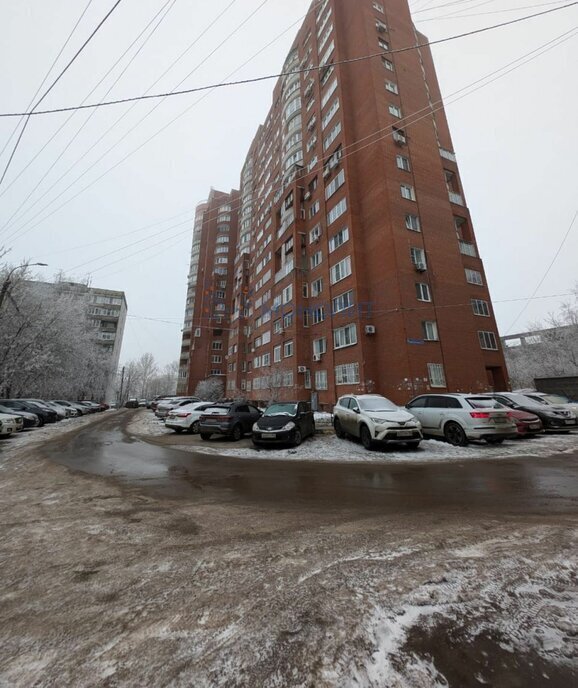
<point>374,418</point>
<point>187,417</point>
<point>460,418</point>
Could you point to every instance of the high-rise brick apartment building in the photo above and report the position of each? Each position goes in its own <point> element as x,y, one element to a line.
<point>357,268</point>
<point>209,291</point>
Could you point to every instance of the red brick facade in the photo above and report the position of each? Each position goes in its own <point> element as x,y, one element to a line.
<point>356,267</point>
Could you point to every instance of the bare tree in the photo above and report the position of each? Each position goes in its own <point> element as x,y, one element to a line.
<point>211,389</point>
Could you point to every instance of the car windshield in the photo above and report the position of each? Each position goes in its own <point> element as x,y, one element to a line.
<point>556,399</point>
<point>218,410</point>
<point>281,410</point>
<point>377,404</point>
<point>476,402</point>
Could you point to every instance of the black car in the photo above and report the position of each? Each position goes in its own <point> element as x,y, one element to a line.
<point>44,415</point>
<point>554,418</point>
<point>284,423</point>
<point>233,419</point>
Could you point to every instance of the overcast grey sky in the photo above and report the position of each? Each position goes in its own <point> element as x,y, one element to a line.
<point>515,139</point>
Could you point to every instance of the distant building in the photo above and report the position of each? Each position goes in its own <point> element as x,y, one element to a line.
<point>106,311</point>
<point>542,354</point>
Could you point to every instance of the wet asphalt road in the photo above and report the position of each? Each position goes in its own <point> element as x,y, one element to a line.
<point>517,486</point>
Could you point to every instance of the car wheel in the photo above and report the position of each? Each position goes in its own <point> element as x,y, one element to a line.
<point>366,439</point>
<point>237,433</point>
<point>494,441</point>
<point>194,428</point>
<point>297,437</point>
<point>205,435</point>
<point>338,429</point>
<point>40,422</point>
<point>454,434</point>
<point>178,430</point>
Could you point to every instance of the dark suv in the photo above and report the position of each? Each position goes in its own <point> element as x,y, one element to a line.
<point>287,422</point>
<point>554,418</point>
<point>45,415</point>
<point>233,419</point>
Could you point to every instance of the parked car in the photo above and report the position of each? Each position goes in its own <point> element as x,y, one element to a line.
<point>187,417</point>
<point>31,420</point>
<point>553,400</point>
<point>131,403</point>
<point>527,424</point>
<point>60,413</point>
<point>10,424</point>
<point>375,419</point>
<point>143,403</point>
<point>554,418</point>
<point>45,415</point>
<point>169,404</point>
<point>82,410</point>
<point>156,401</point>
<point>92,406</point>
<point>233,419</point>
<point>68,411</point>
<point>460,418</point>
<point>284,423</point>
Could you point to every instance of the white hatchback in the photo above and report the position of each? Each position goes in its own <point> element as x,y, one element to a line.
<point>10,424</point>
<point>460,418</point>
<point>187,417</point>
<point>373,419</point>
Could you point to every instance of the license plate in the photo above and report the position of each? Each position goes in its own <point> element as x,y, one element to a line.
<point>268,435</point>
<point>404,433</point>
<point>500,420</point>
<point>535,426</point>
<point>570,422</point>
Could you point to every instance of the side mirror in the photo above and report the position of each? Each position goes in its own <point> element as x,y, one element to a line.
<point>357,410</point>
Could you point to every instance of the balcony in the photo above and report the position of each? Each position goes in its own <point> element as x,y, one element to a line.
<point>448,155</point>
<point>456,198</point>
<point>468,249</point>
<point>287,222</point>
<point>289,267</point>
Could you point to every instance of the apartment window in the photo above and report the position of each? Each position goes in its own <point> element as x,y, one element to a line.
<point>305,290</point>
<point>317,315</point>
<point>430,330</point>
<point>418,258</point>
<point>388,64</point>
<point>412,222</point>
<point>347,374</point>
<point>316,287</point>
<point>343,302</point>
<point>277,326</point>
<point>319,346</point>
<point>337,211</point>
<point>220,294</point>
<point>407,192</point>
<point>215,372</point>
<point>380,26</point>
<point>277,354</point>
<point>217,346</point>
<point>384,45</point>
<point>266,360</point>
<point>330,113</point>
<point>330,91</point>
<point>481,307</point>
<point>314,209</point>
<point>336,184</point>
<point>333,134</point>
<point>437,377</point>
<point>315,234</point>
<point>488,341</point>
<point>378,7</point>
<point>423,292</point>
<point>288,349</point>
<point>316,259</point>
<point>344,336</point>
<point>287,321</point>
<point>341,270</point>
<point>474,277</point>
<point>338,239</point>
<point>288,378</point>
<point>402,162</point>
<point>307,379</point>
<point>395,110</point>
<point>288,294</point>
<point>391,87</point>
<point>320,379</point>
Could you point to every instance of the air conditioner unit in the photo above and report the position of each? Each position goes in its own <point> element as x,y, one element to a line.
<point>301,369</point>
<point>317,357</point>
<point>370,329</point>
<point>307,196</point>
<point>420,267</point>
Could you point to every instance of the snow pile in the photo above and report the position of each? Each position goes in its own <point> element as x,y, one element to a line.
<point>323,420</point>
<point>146,423</point>
<point>330,448</point>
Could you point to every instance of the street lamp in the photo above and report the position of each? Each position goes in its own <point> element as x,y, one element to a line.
<point>6,283</point>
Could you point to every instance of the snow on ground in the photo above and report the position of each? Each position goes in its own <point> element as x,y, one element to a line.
<point>33,436</point>
<point>148,424</point>
<point>330,448</point>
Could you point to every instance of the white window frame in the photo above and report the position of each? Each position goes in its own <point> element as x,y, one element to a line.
<point>340,270</point>
<point>347,374</point>
<point>436,375</point>
<point>430,331</point>
<point>474,277</point>
<point>488,340</point>
<point>345,336</point>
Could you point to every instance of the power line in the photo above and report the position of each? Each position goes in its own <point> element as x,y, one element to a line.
<point>483,14</point>
<point>53,84</point>
<point>403,122</point>
<point>92,113</point>
<point>150,138</point>
<point>546,273</point>
<point>62,49</point>
<point>297,71</point>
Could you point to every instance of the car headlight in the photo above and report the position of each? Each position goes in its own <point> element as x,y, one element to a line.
<point>290,425</point>
<point>256,427</point>
<point>379,421</point>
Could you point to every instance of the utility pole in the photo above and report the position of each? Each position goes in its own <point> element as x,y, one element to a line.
<point>121,386</point>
